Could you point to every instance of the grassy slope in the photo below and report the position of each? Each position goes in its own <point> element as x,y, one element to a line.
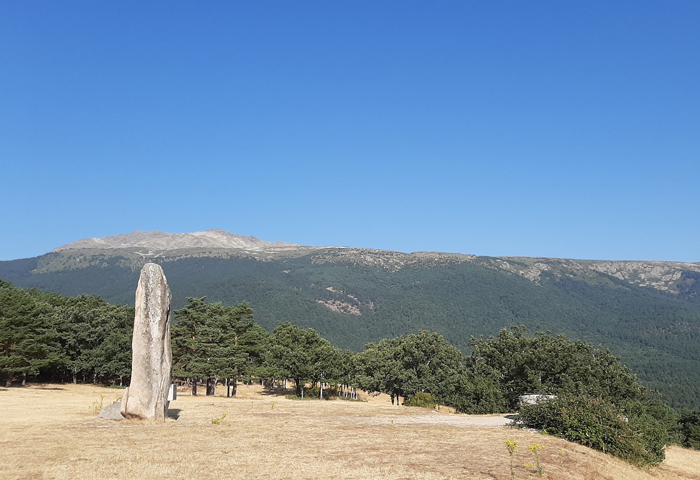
<point>267,436</point>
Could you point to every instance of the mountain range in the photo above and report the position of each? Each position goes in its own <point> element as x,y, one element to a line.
<point>646,312</point>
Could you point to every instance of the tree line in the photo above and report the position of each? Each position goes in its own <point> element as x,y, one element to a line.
<point>55,338</point>
<point>49,337</point>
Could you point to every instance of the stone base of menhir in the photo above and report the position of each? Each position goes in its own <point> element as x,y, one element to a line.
<point>147,395</point>
<point>111,412</point>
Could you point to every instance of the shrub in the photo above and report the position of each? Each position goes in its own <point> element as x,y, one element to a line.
<point>690,430</point>
<point>512,447</point>
<point>421,399</point>
<point>481,394</point>
<point>636,437</point>
<point>219,420</point>
<point>97,405</point>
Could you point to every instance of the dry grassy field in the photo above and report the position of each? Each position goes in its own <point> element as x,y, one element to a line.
<point>51,432</point>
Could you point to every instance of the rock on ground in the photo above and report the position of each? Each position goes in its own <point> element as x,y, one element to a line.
<point>111,412</point>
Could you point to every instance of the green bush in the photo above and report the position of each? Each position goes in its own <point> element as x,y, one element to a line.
<point>421,399</point>
<point>690,430</point>
<point>480,395</point>
<point>632,435</point>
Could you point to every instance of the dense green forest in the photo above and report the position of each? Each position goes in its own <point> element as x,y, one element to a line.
<point>57,338</point>
<point>351,303</point>
<point>598,402</point>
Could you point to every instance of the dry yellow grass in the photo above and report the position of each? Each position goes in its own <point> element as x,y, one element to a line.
<point>51,432</point>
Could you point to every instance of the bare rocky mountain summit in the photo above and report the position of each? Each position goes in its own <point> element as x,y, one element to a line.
<point>156,240</point>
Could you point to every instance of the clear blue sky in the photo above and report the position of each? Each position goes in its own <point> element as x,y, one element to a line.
<point>534,128</point>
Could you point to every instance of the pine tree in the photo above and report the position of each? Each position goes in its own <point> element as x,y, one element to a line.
<point>215,342</point>
<point>24,335</point>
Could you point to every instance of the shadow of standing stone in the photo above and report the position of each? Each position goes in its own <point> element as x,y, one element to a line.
<point>174,413</point>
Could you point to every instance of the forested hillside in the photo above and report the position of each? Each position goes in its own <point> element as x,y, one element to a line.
<point>352,297</point>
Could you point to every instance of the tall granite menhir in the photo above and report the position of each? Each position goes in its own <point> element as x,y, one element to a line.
<point>147,395</point>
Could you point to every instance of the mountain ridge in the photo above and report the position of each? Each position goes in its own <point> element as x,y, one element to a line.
<point>646,312</point>
<point>213,238</point>
<point>666,276</point>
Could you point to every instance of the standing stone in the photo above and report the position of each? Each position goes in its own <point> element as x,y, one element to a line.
<point>147,395</point>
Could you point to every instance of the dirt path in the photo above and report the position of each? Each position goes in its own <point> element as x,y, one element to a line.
<point>435,418</point>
